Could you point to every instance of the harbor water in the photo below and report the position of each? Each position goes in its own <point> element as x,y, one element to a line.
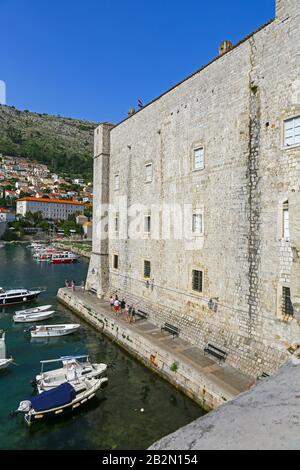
<point>137,407</point>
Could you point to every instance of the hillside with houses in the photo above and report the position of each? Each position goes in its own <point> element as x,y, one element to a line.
<point>32,197</point>
<point>63,144</point>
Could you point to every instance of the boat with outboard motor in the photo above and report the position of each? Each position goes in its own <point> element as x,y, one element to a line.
<point>4,361</point>
<point>74,369</point>
<point>59,400</point>
<point>48,331</point>
<point>10,297</point>
<point>32,317</point>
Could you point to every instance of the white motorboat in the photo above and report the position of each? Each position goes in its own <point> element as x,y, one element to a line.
<point>43,308</point>
<point>17,296</point>
<point>59,400</point>
<point>74,369</point>
<point>47,331</point>
<point>32,317</point>
<point>4,361</point>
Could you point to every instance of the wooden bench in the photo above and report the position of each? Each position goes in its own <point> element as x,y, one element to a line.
<point>143,315</point>
<point>93,291</point>
<point>264,375</point>
<point>214,351</point>
<point>170,329</point>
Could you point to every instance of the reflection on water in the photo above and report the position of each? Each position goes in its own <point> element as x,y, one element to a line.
<point>114,420</point>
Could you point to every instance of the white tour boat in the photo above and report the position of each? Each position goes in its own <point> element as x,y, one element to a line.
<point>32,317</point>
<point>17,296</point>
<point>47,331</point>
<point>74,369</point>
<point>42,308</point>
<point>59,400</point>
<point>64,257</point>
<point>4,361</point>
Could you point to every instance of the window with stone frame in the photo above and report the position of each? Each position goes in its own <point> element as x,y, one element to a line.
<point>147,269</point>
<point>197,223</point>
<point>198,158</point>
<point>117,182</point>
<point>287,306</point>
<point>147,224</point>
<point>286,222</point>
<point>116,223</point>
<point>116,262</point>
<point>292,131</point>
<point>197,280</point>
<point>148,172</point>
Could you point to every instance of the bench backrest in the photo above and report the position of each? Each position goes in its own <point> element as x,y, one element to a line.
<point>145,314</point>
<point>214,348</point>
<point>171,327</point>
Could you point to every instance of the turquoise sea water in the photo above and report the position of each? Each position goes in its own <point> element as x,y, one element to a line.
<point>114,419</point>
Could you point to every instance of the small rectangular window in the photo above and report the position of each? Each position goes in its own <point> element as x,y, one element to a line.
<point>287,306</point>
<point>147,224</point>
<point>117,182</point>
<point>292,131</point>
<point>147,269</point>
<point>116,224</point>
<point>197,223</point>
<point>199,159</point>
<point>286,222</point>
<point>148,172</point>
<point>116,261</point>
<point>197,280</point>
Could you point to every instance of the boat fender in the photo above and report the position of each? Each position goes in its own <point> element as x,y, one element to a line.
<point>25,406</point>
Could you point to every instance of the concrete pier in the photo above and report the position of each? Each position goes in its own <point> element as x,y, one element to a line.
<point>180,363</point>
<point>264,418</point>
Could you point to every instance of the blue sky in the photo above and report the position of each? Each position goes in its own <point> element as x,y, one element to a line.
<point>93,59</point>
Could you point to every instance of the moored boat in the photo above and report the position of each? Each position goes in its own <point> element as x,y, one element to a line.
<point>65,257</point>
<point>65,397</point>
<point>73,370</point>
<point>17,296</point>
<point>32,317</point>
<point>42,308</point>
<point>4,361</point>
<point>47,331</point>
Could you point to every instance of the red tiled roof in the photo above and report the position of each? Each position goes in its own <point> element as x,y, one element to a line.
<point>42,199</point>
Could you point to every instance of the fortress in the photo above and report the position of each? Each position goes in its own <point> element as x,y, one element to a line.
<point>216,159</point>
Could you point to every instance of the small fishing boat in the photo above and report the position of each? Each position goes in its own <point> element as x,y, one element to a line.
<point>66,397</point>
<point>17,296</point>
<point>47,331</point>
<point>32,317</point>
<point>74,369</point>
<point>42,308</point>
<point>4,361</point>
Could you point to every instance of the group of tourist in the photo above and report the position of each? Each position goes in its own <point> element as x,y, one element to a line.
<point>73,284</point>
<point>120,307</point>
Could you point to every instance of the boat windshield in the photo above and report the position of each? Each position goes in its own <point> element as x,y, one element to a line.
<point>67,361</point>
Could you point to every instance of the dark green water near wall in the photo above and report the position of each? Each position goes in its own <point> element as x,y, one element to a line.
<point>114,419</point>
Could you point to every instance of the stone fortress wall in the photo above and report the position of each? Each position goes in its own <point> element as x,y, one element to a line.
<point>234,109</point>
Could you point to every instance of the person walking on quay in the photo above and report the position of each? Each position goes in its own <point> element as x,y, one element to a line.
<point>116,305</point>
<point>123,305</point>
<point>67,283</point>
<point>129,307</point>
<point>111,301</point>
<point>73,285</point>
<point>133,315</point>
